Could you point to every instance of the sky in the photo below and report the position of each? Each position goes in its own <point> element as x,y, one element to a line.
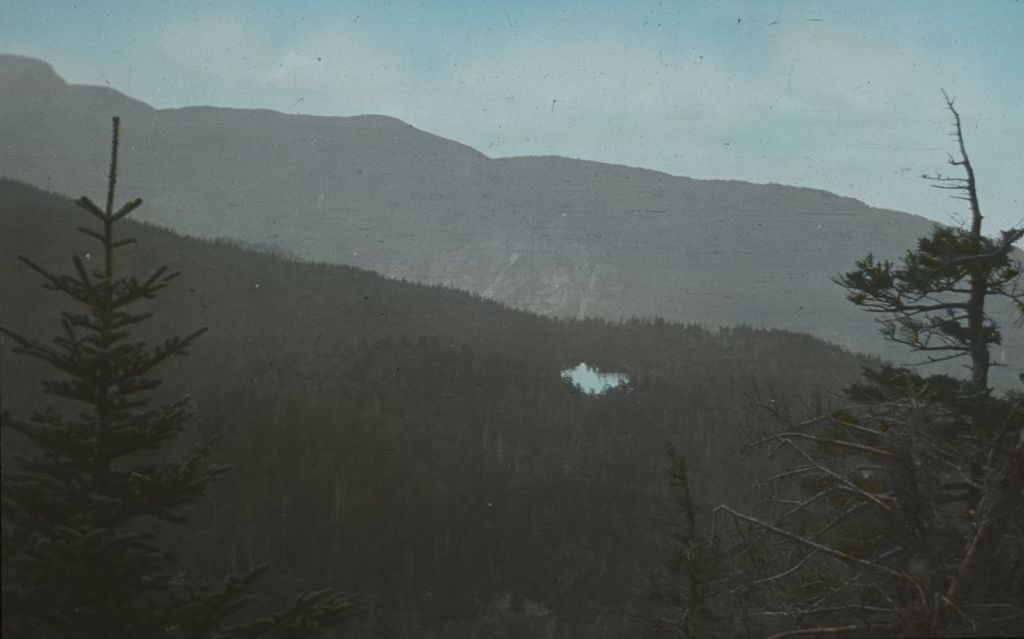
<point>837,95</point>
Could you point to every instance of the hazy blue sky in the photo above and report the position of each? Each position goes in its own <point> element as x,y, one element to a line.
<point>840,95</point>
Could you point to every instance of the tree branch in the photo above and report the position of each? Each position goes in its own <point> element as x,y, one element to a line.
<point>838,554</point>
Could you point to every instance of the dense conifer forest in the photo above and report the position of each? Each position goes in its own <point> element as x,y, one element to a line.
<point>416,445</point>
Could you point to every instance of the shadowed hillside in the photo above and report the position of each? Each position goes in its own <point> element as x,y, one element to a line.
<point>416,444</point>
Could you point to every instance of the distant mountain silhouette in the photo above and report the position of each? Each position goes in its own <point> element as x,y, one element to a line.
<point>549,234</point>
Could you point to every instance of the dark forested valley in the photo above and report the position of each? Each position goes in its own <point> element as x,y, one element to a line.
<point>416,445</point>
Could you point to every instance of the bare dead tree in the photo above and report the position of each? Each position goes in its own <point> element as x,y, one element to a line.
<point>935,301</point>
<point>900,513</point>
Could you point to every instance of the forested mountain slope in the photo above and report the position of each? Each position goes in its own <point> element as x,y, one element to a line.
<point>416,444</point>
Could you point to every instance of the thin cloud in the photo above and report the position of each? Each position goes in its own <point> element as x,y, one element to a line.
<point>220,45</point>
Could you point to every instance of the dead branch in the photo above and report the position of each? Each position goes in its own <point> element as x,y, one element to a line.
<point>835,631</point>
<point>828,550</point>
<point>832,442</point>
<point>994,519</point>
<point>842,480</point>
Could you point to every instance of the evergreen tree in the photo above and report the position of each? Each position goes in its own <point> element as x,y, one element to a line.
<point>935,302</point>
<point>688,590</point>
<point>81,558</point>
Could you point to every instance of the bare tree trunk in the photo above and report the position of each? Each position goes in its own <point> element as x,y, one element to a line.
<point>994,512</point>
<point>914,516</point>
<point>978,286</point>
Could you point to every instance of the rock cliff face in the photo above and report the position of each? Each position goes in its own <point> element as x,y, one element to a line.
<point>549,234</point>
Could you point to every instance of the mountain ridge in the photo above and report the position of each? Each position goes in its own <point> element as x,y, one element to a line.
<point>44,69</point>
<point>553,235</point>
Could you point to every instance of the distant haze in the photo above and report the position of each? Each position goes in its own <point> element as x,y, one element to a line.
<point>552,235</point>
<point>842,96</point>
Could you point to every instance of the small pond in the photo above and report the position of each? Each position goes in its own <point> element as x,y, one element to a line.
<point>592,381</point>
